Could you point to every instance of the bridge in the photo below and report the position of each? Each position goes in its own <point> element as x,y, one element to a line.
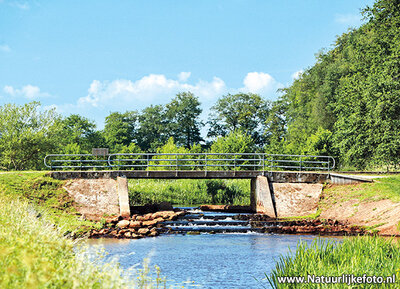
<point>280,184</point>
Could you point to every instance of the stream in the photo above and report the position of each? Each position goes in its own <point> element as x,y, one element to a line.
<point>207,250</point>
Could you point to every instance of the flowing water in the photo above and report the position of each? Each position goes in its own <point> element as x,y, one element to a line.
<point>217,252</point>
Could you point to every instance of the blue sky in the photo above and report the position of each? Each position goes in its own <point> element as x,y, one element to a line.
<point>94,57</point>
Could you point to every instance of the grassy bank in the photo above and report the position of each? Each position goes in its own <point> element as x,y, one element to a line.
<point>381,188</point>
<point>373,256</point>
<point>47,194</point>
<point>190,192</point>
<point>34,254</point>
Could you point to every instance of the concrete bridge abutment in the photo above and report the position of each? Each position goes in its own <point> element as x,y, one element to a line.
<point>96,198</point>
<point>284,199</point>
<point>262,197</point>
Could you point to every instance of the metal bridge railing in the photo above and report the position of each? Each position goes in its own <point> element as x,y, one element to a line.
<point>191,161</point>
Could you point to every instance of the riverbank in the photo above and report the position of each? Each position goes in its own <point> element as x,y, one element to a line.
<point>35,254</point>
<point>373,206</point>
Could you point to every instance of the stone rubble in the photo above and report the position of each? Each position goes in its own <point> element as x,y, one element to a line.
<point>138,226</point>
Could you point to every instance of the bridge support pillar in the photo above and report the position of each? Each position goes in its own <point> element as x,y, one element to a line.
<point>262,199</point>
<point>123,193</point>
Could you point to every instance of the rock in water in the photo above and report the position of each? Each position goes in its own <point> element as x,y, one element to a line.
<point>123,224</point>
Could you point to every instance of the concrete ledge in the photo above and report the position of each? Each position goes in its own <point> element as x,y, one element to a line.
<point>346,179</point>
<point>276,177</point>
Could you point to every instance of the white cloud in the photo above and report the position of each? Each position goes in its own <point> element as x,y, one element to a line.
<point>297,74</point>
<point>184,76</point>
<point>27,91</point>
<point>348,19</point>
<point>150,88</point>
<point>261,83</point>
<point>5,48</point>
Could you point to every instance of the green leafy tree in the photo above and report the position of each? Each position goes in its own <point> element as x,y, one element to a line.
<point>348,103</point>
<point>80,131</point>
<point>27,134</point>
<point>235,142</point>
<point>152,129</point>
<point>245,111</point>
<point>119,129</point>
<point>183,115</point>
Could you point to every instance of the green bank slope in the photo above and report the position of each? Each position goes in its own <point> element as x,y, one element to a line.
<point>35,216</point>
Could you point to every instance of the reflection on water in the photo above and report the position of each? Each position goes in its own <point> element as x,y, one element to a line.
<point>210,260</point>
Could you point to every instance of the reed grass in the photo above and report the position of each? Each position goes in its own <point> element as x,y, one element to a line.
<point>34,254</point>
<point>370,255</point>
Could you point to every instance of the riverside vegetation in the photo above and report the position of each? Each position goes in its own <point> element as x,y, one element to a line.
<point>36,215</point>
<point>373,256</point>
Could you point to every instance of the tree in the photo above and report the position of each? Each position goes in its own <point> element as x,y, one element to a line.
<point>120,128</point>
<point>80,131</point>
<point>348,103</point>
<point>27,134</point>
<point>183,114</point>
<point>244,111</point>
<point>152,131</point>
<point>235,142</point>
<point>275,128</point>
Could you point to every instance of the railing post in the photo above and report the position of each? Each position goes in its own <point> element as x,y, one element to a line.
<point>301,164</point>
<point>329,165</point>
<point>205,165</point>
<point>263,163</point>
<point>147,164</point>
<point>176,164</point>
<point>271,163</point>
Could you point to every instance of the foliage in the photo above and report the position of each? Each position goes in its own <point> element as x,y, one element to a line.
<point>351,96</point>
<point>33,254</point>
<point>183,119</point>
<point>170,147</point>
<point>152,131</point>
<point>246,112</point>
<point>235,142</point>
<point>26,134</point>
<point>373,256</point>
<point>80,132</point>
<point>120,129</point>
<point>189,192</point>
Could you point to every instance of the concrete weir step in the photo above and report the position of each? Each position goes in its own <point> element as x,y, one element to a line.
<point>207,223</point>
<point>198,221</point>
<point>208,216</point>
<point>213,229</point>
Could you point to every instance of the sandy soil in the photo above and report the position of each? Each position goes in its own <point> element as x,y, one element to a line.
<point>380,215</point>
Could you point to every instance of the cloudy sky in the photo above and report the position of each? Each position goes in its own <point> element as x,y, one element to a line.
<point>94,57</point>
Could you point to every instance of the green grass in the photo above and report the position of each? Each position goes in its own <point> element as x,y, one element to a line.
<point>34,254</point>
<point>190,192</point>
<point>380,189</point>
<point>361,255</point>
<point>46,194</point>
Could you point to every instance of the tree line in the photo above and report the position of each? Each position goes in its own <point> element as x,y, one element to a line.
<point>346,105</point>
<point>236,124</point>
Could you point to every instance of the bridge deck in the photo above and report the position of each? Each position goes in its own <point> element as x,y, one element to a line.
<point>276,176</point>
